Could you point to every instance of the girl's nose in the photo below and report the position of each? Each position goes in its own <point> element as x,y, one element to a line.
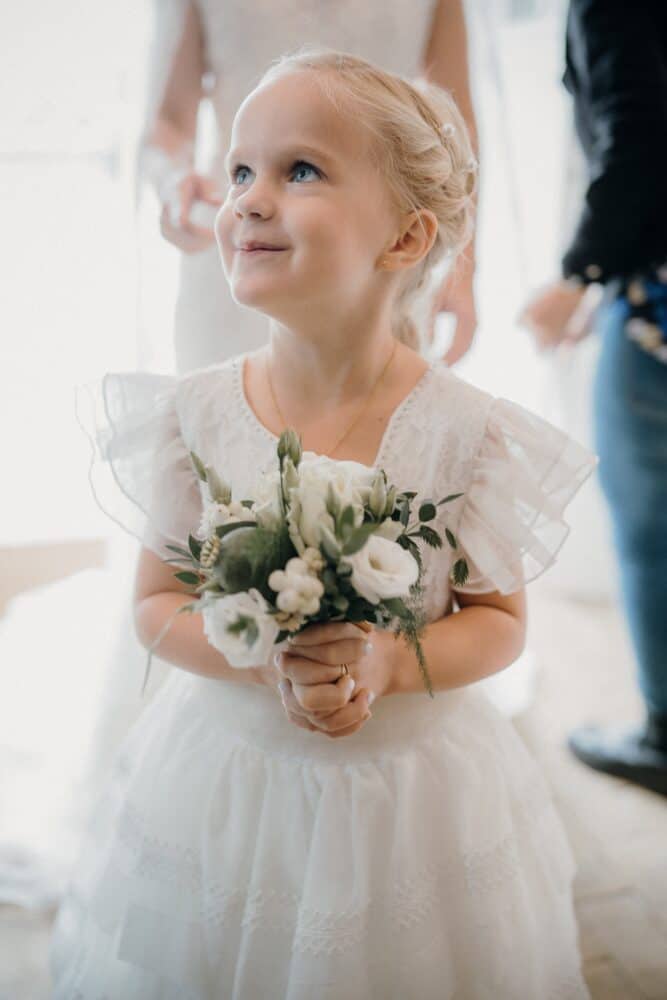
<point>255,202</point>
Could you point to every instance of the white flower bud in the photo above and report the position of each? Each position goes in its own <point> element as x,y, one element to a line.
<point>296,567</point>
<point>311,607</point>
<point>277,580</point>
<point>289,600</point>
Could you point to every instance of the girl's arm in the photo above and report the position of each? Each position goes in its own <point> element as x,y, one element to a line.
<point>485,636</point>
<point>157,595</point>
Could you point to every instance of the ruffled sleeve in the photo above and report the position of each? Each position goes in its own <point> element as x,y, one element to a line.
<point>141,472</point>
<point>525,474</point>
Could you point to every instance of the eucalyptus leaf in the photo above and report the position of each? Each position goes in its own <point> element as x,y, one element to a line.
<point>427,511</point>
<point>189,578</point>
<point>450,538</point>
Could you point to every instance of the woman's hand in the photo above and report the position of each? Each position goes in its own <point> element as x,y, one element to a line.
<point>178,197</point>
<point>560,313</point>
<point>316,696</point>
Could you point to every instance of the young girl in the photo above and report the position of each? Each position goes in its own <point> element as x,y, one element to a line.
<point>267,835</point>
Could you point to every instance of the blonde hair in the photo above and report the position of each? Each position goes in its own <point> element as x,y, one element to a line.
<point>420,143</point>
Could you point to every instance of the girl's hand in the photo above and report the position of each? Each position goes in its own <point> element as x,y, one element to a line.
<point>177,198</point>
<point>318,694</point>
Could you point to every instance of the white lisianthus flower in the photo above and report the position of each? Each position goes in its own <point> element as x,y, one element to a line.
<point>382,569</point>
<point>261,628</point>
<point>351,484</point>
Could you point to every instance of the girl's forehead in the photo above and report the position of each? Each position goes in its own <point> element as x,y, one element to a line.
<point>292,109</point>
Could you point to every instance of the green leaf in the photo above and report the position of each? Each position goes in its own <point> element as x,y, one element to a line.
<point>358,538</point>
<point>195,546</point>
<point>430,536</point>
<point>179,549</point>
<point>452,496</point>
<point>450,538</point>
<point>405,514</point>
<point>409,494</point>
<point>200,468</point>
<point>460,572</point>
<point>185,577</point>
<point>395,606</point>
<point>225,529</point>
<point>427,511</point>
<point>346,520</point>
<point>414,549</point>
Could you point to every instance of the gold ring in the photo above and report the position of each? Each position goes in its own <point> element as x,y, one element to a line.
<point>345,669</point>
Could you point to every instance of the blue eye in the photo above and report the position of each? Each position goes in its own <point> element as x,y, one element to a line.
<point>308,166</point>
<point>235,173</point>
<point>297,167</point>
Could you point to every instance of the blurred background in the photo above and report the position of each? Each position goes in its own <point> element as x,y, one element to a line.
<point>89,286</point>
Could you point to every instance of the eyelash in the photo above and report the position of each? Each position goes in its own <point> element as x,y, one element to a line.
<point>297,163</point>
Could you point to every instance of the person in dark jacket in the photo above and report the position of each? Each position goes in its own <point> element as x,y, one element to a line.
<point>616,56</point>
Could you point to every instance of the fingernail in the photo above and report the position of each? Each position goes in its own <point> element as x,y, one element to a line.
<point>282,687</point>
<point>276,659</point>
<point>371,697</point>
<point>367,647</point>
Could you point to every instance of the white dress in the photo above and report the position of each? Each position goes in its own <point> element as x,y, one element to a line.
<point>241,40</point>
<point>233,855</point>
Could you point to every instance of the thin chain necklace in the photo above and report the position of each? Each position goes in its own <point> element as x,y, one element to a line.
<point>356,420</point>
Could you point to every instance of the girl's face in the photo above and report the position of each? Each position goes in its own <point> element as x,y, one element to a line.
<point>302,181</point>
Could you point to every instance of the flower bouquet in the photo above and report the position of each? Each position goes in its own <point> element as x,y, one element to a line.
<point>321,541</point>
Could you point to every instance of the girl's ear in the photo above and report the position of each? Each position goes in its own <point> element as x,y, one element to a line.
<point>417,237</point>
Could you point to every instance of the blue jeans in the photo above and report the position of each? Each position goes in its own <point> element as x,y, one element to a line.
<point>630,418</point>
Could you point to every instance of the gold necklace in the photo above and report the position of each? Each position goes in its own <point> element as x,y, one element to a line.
<point>359,414</point>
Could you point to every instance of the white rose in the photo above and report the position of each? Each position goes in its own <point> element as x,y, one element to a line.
<point>351,483</point>
<point>382,569</point>
<point>220,613</point>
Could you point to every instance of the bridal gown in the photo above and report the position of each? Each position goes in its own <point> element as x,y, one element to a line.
<point>234,855</point>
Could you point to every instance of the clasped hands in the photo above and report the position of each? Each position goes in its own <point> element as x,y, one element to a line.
<point>315,695</point>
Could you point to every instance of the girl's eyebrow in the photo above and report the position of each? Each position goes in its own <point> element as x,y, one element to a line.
<point>318,154</point>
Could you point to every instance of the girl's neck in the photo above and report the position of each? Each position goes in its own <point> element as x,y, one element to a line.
<point>320,392</point>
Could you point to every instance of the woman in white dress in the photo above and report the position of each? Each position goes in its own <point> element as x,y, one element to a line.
<point>216,50</point>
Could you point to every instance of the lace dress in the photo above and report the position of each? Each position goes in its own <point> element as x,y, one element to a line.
<point>235,855</point>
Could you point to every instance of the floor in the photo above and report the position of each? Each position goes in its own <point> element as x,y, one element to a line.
<point>618,832</point>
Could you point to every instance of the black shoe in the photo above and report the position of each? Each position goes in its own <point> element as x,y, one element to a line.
<point>635,753</point>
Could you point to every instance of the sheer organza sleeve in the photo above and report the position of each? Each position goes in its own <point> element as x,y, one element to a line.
<point>141,472</point>
<point>525,474</point>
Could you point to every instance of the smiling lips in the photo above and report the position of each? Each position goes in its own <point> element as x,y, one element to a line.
<point>255,247</point>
